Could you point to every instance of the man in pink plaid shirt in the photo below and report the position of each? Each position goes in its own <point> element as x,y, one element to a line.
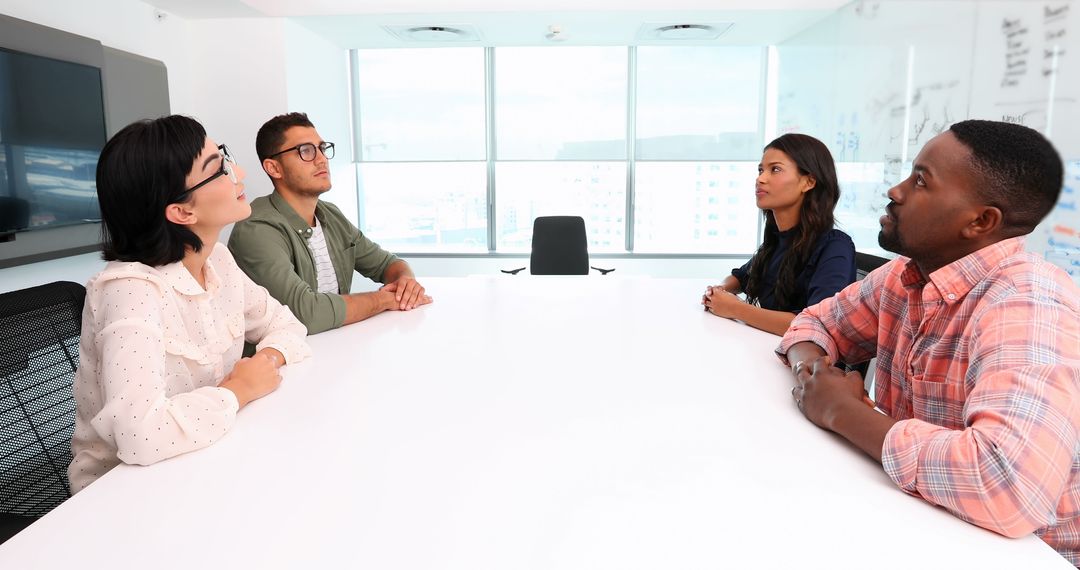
<point>977,342</point>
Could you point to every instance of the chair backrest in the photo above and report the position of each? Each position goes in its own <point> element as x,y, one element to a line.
<point>559,246</point>
<point>865,263</point>
<point>39,352</point>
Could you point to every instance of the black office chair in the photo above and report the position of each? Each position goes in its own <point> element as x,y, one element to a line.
<point>39,352</point>
<point>865,263</point>
<point>559,247</point>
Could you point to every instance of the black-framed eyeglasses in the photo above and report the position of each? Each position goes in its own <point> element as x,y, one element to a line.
<point>227,163</point>
<point>307,151</point>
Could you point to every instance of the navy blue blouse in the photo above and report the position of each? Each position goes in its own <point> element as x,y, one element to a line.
<point>831,267</point>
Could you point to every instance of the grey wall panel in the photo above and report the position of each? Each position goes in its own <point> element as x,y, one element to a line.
<point>134,88</point>
<point>32,38</point>
<point>30,247</point>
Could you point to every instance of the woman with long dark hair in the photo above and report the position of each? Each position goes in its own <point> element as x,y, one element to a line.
<point>803,258</point>
<point>160,366</point>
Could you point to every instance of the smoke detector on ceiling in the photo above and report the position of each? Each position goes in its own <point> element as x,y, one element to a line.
<point>442,33</point>
<point>682,32</point>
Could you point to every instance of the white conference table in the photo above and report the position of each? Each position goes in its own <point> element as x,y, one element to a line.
<point>522,422</point>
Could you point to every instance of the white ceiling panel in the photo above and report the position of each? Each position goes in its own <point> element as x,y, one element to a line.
<point>365,23</point>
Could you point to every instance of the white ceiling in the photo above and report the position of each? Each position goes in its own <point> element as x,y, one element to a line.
<point>360,23</point>
<point>283,8</point>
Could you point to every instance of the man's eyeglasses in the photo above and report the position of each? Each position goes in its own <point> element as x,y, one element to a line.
<point>227,163</point>
<point>307,151</point>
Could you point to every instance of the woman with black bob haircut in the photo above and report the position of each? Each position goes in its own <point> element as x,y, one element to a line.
<point>803,258</point>
<point>160,368</point>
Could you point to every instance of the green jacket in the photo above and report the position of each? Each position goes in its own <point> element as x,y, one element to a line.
<point>271,247</point>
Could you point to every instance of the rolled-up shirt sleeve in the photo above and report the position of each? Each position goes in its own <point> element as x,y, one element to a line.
<point>262,251</point>
<point>371,260</point>
<point>269,324</point>
<point>845,326</point>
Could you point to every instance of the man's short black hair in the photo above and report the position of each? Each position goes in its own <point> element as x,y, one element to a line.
<point>272,134</point>
<point>141,170</point>
<point>1021,173</point>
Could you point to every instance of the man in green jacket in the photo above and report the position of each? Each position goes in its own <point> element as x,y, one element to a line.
<point>303,250</point>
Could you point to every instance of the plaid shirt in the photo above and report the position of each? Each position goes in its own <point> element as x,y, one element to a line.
<point>980,365</point>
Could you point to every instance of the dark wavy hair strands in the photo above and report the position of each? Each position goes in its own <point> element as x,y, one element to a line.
<point>141,170</point>
<point>813,158</point>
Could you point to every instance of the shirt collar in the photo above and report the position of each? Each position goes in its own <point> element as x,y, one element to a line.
<point>786,233</point>
<point>298,224</point>
<point>956,279</point>
<point>180,279</point>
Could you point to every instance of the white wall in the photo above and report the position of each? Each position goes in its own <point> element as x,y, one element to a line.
<point>317,73</point>
<point>238,82</point>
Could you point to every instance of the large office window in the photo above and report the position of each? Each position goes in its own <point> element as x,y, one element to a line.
<point>560,116</point>
<point>699,138</point>
<point>431,166</point>
<point>421,104</point>
<point>594,190</point>
<point>696,103</point>
<point>425,206</point>
<point>696,207</point>
<point>561,103</point>
<point>422,179</point>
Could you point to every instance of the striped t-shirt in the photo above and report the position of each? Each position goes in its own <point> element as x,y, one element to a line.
<point>324,267</point>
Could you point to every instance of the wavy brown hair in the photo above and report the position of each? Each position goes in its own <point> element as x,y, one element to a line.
<point>812,158</point>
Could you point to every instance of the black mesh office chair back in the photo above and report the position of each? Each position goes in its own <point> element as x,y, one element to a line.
<point>39,352</point>
<point>559,246</point>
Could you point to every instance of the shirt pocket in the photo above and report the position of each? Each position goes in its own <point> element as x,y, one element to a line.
<point>940,403</point>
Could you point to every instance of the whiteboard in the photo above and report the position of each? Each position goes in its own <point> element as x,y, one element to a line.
<point>1058,237</point>
<point>1027,68</point>
<point>878,79</point>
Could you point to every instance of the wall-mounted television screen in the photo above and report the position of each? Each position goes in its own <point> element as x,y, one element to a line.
<point>52,129</point>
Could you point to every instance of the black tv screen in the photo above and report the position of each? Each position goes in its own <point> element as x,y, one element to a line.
<point>52,129</point>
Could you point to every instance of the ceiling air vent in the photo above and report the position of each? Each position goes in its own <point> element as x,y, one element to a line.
<point>682,32</point>
<point>443,33</point>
